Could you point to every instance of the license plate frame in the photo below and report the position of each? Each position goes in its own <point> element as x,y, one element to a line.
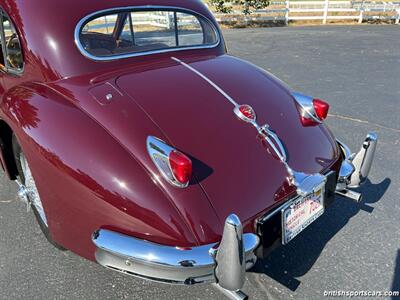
<point>302,203</point>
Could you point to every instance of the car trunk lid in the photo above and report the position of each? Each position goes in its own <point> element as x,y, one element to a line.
<point>190,104</point>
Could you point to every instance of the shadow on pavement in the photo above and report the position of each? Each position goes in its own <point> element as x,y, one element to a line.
<point>296,259</point>
<point>396,277</point>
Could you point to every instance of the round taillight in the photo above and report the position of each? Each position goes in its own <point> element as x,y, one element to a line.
<point>181,166</point>
<point>321,108</point>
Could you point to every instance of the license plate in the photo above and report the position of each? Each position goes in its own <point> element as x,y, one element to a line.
<point>300,213</point>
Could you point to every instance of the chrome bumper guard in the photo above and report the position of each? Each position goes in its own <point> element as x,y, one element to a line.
<point>356,167</point>
<point>224,262</point>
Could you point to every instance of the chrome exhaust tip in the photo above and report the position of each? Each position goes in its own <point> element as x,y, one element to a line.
<point>352,195</point>
<point>233,295</point>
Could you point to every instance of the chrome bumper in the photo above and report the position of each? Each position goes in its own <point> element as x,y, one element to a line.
<point>224,263</point>
<point>355,168</point>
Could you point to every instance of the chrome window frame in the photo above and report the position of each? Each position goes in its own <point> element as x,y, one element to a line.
<point>101,13</point>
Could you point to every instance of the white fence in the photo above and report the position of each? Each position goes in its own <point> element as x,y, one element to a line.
<point>286,11</point>
<point>323,10</point>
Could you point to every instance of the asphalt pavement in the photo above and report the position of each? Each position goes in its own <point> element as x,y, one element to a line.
<point>351,247</point>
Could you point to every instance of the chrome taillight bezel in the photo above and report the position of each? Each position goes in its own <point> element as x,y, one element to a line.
<point>159,152</point>
<point>306,108</point>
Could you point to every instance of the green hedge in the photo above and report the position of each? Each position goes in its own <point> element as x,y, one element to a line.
<point>224,6</point>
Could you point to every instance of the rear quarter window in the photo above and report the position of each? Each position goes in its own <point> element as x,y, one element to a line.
<point>11,58</point>
<point>137,32</point>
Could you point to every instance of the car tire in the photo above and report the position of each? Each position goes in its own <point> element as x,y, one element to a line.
<point>23,173</point>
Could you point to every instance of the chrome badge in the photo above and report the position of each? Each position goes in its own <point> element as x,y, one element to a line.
<point>246,113</point>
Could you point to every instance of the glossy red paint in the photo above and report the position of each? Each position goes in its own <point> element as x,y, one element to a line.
<point>238,173</point>
<point>89,156</point>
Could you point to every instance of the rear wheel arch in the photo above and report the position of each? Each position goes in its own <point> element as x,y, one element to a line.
<point>17,152</point>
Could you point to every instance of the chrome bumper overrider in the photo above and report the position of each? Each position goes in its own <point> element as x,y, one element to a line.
<point>224,262</point>
<point>355,167</point>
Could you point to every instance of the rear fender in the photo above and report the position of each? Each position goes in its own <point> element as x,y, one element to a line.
<point>85,178</point>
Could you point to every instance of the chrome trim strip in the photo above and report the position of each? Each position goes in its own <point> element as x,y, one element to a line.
<point>213,84</point>
<point>264,131</point>
<point>83,21</point>
<point>303,182</point>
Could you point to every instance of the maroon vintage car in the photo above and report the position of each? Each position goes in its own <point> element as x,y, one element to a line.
<point>140,144</point>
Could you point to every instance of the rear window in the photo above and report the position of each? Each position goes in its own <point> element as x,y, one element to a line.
<point>138,32</point>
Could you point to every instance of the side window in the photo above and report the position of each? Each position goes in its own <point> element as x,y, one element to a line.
<point>11,58</point>
<point>103,25</point>
<point>98,35</point>
<point>190,31</point>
